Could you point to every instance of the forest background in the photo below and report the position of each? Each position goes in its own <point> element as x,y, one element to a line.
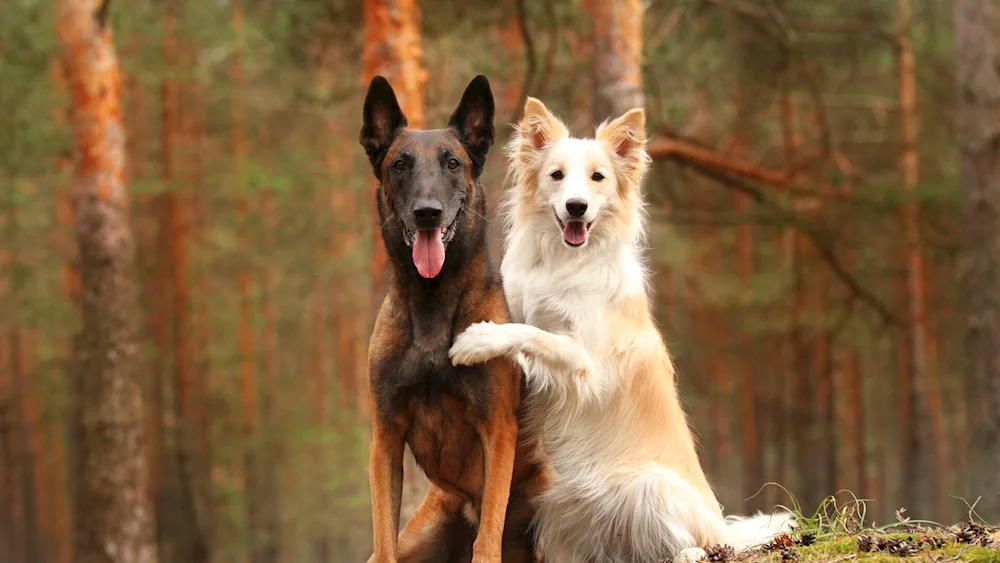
<point>825,248</point>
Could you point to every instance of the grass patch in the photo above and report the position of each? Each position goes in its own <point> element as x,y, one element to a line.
<point>837,533</point>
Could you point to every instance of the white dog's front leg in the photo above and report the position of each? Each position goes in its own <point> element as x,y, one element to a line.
<point>482,342</point>
<point>545,356</point>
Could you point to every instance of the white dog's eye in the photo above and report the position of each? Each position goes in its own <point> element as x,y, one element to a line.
<point>597,177</point>
<point>557,175</point>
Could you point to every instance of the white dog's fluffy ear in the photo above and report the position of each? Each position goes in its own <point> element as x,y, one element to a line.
<point>626,137</point>
<point>537,130</point>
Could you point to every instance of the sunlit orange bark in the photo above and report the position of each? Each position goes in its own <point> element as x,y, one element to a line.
<point>114,523</point>
<point>392,49</point>
<point>616,62</point>
<point>508,92</point>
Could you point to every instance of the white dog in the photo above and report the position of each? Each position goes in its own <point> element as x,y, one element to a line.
<point>628,484</point>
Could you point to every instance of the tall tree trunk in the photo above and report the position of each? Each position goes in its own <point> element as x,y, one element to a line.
<point>195,531</point>
<point>918,461</point>
<point>16,450</point>
<point>250,395</point>
<point>69,282</point>
<point>392,49</point>
<point>159,245</point>
<point>748,390</point>
<point>812,364</point>
<point>616,63</point>
<point>975,71</point>
<point>34,435</point>
<point>784,419</point>
<point>114,517</point>
<point>271,533</point>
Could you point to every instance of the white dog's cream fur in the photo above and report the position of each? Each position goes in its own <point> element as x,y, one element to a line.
<point>628,484</point>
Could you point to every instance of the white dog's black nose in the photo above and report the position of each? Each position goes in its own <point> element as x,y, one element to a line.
<point>576,207</point>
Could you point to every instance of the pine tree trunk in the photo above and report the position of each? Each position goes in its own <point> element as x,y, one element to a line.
<point>114,517</point>
<point>616,64</point>
<point>975,71</point>
<point>918,464</point>
<point>784,416</point>
<point>748,390</point>
<point>392,49</point>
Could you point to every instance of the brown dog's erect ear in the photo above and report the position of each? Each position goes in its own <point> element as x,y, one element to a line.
<point>383,120</point>
<point>626,136</point>
<point>473,121</point>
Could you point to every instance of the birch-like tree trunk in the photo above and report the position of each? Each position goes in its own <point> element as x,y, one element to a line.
<point>114,522</point>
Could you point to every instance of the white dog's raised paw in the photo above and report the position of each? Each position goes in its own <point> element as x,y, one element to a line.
<point>476,344</point>
<point>691,555</point>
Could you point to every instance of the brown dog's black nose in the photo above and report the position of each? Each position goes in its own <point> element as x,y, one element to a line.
<point>576,207</point>
<point>427,213</point>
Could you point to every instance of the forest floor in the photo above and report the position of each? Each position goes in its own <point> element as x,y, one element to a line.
<point>930,545</point>
<point>836,533</point>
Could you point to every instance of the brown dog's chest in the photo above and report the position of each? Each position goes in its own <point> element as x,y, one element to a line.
<point>446,445</point>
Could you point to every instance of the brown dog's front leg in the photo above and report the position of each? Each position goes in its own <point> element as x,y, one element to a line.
<point>385,476</point>
<point>499,437</point>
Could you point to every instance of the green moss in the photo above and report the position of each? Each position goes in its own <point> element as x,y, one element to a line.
<point>842,548</point>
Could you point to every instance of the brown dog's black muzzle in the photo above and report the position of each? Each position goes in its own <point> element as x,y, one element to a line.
<point>427,213</point>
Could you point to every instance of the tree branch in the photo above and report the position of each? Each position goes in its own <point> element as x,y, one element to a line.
<point>826,253</point>
<point>674,147</point>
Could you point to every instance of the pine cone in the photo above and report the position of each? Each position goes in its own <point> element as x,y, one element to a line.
<point>807,539</point>
<point>972,532</point>
<point>720,553</point>
<point>866,544</point>
<point>789,554</point>
<point>902,548</point>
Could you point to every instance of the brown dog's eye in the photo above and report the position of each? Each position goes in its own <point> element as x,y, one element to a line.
<point>557,175</point>
<point>597,177</point>
<point>453,163</point>
<point>399,165</point>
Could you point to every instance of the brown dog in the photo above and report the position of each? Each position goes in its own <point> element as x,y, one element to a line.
<point>460,422</point>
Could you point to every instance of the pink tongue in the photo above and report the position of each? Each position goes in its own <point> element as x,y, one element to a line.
<point>575,232</point>
<point>428,252</point>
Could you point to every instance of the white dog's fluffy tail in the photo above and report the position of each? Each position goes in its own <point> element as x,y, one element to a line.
<point>743,532</point>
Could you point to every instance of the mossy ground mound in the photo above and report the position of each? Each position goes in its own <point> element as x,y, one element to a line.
<point>837,532</point>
